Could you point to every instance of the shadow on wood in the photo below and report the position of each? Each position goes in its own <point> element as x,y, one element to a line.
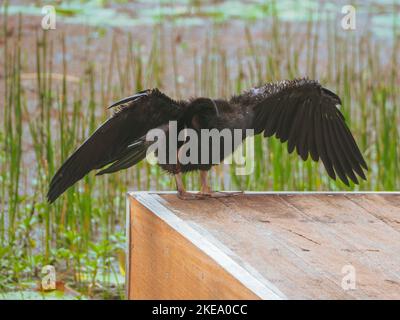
<point>264,246</point>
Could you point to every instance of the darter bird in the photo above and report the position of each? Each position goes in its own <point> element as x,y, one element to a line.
<point>300,112</point>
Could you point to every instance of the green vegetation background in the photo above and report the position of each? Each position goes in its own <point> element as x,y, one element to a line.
<point>43,121</point>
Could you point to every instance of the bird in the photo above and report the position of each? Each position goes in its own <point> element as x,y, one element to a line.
<point>300,112</point>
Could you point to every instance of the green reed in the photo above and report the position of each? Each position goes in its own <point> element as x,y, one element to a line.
<point>82,232</point>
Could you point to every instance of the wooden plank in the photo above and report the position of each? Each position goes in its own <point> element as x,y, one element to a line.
<point>297,244</point>
<point>166,265</point>
<point>359,239</point>
<point>249,226</point>
<point>383,206</point>
<point>298,239</point>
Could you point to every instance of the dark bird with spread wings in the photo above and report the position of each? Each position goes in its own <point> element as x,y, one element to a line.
<point>300,112</point>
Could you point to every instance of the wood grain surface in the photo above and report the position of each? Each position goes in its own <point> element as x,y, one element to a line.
<point>295,244</point>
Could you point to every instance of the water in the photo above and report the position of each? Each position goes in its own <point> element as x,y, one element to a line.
<point>380,16</point>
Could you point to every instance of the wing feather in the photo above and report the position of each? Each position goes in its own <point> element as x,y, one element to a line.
<point>340,162</point>
<point>347,146</point>
<point>296,126</point>
<point>342,154</point>
<point>110,142</point>
<point>311,140</point>
<point>272,120</point>
<point>306,115</point>
<point>321,146</point>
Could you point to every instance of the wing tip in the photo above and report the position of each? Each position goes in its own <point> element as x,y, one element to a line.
<point>101,172</point>
<point>332,95</point>
<point>134,97</point>
<point>51,196</point>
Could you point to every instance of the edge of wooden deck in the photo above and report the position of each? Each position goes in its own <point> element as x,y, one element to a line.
<point>255,282</point>
<point>260,286</point>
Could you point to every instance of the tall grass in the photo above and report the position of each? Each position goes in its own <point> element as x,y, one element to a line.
<point>82,233</point>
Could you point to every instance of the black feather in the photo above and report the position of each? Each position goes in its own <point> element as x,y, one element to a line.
<point>309,120</point>
<point>330,148</point>
<point>321,145</point>
<point>109,143</point>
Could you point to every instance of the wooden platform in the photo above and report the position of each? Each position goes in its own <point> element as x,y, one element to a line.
<point>264,246</point>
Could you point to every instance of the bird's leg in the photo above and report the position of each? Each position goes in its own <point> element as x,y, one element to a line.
<point>206,189</point>
<point>182,193</point>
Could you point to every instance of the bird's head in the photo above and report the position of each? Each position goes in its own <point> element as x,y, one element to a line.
<point>201,113</point>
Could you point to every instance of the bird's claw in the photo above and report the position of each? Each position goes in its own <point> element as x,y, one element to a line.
<point>218,194</point>
<point>184,195</point>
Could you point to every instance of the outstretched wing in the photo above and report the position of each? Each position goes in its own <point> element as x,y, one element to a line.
<point>120,140</point>
<point>307,116</point>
